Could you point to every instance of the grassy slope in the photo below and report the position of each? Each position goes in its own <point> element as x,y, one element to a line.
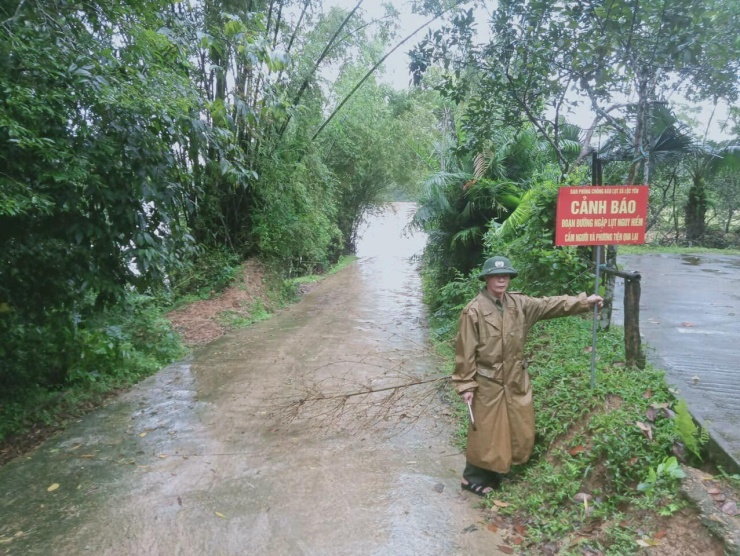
<point>597,478</point>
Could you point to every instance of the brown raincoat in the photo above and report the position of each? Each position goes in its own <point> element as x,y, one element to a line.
<point>490,358</point>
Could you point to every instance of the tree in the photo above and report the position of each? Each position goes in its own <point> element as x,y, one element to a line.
<point>547,58</point>
<point>711,167</point>
<point>91,204</point>
<point>92,199</point>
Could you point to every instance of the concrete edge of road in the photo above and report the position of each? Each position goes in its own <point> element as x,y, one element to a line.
<point>725,527</point>
<point>720,451</point>
<point>693,487</point>
<point>718,448</point>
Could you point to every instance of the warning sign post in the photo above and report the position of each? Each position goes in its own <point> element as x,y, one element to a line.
<point>601,215</point>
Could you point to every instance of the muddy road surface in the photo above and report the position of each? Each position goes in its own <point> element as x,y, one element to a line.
<point>263,443</point>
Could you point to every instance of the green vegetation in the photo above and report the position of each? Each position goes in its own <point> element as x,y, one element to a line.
<point>147,149</point>
<point>603,463</point>
<point>118,348</point>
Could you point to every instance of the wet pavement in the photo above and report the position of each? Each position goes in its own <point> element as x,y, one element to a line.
<point>690,324</point>
<point>287,437</point>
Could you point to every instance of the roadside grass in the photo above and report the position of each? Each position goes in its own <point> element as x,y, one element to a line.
<point>110,354</point>
<point>603,471</point>
<point>343,262</point>
<point>256,312</point>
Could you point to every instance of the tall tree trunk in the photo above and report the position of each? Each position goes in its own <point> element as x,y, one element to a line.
<point>696,209</point>
<point>637,143</point>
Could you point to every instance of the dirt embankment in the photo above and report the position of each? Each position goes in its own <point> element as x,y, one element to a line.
<point>206,320</point>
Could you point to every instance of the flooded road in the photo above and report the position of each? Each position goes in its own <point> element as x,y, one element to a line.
<point>288,437</point>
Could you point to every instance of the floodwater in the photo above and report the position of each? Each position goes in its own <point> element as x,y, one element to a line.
<point>303,434</point>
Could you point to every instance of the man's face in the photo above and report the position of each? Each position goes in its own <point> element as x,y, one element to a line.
<point>497,284</point>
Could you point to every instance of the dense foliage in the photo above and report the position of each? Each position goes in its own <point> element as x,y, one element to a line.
<point>91,201</point>
<point>147,148</point>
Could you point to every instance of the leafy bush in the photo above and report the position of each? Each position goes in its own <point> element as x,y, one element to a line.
<point>206,270</point>
<point>41,364</point>
<point>449,300</point>
<point>544,269</point>
<point>294,218</point>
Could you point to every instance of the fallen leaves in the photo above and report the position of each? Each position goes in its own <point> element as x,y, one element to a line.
<point>647,543</point>
<point>501,504</point>
<point>505,549</point>
<point>219,514</point>
<point>53,487</point>
<point>647,430</point>
<point>575,450</point>
<point>730,508</point>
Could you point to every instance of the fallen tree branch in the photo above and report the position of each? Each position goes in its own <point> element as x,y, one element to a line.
<point>371,391</point>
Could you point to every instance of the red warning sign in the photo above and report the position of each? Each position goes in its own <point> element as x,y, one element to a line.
<point>601,215</point>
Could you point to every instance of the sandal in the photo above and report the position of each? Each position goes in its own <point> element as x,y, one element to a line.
<point>477,488</point>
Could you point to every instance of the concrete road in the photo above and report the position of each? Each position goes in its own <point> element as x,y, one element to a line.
<point>690,325</point>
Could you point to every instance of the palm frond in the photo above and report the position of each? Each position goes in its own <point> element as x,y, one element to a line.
<point>466,236</point>
<point>523,211</point>
<point>481,163</point>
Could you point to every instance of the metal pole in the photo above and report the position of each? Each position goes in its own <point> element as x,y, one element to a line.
<point>596,319</point>
<point>596,179</point>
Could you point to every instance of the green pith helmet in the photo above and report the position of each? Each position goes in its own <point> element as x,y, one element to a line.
<point>497,265</point>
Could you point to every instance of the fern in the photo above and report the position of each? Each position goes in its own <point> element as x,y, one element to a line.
<point>693,437</point>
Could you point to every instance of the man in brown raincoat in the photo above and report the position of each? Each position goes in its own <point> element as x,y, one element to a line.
<point>491,374</point>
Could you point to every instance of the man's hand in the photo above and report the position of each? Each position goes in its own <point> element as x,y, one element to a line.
<point>593,298</point>
<point>467,396</point>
